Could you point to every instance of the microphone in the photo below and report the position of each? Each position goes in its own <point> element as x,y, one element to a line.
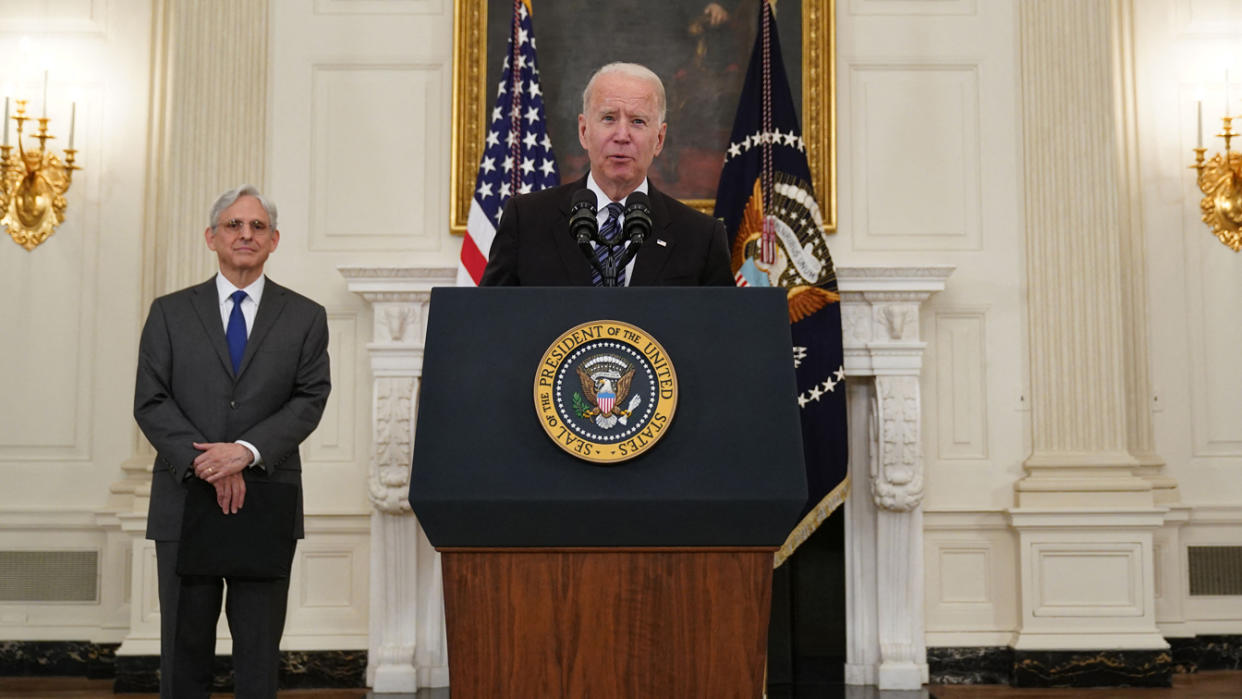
<point>637,224</point>
<point>583,223</point>
<point>584,226</point>
<point>637,217</point>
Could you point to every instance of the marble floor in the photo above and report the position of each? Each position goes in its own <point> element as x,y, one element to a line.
<point>1207,685</point>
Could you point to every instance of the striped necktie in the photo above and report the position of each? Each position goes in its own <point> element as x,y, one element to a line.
<point>610,232</point>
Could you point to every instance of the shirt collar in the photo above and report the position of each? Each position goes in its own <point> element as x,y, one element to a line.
<point>601,199</point>
<point>225,288</point>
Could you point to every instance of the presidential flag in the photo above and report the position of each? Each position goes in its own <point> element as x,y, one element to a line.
<point>777,239</point>
<point>517,157</point>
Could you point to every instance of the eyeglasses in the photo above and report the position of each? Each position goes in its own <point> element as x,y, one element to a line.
<point>235,225</point>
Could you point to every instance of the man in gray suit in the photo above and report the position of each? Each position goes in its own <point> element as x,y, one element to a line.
<point>232,377</point>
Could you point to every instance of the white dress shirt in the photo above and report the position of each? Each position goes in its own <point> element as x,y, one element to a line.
<point>249,307</point>
<point>602,201</point>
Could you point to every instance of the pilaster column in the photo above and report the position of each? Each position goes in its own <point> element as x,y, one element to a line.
<point>208,133</point>
<point>1084,519</point>
<point>884,521</point>
<point>407,648</point>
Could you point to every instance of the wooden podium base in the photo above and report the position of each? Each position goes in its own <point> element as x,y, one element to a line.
<point>607,622</point>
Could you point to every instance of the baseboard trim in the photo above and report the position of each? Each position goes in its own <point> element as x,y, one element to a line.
<point>57,659</point>
<point>973,665</point>
<point>1107,668</point>
<point>299,669</point>
<point>1206,652</point>
<point>318,669</point>
<point>1110,668</point>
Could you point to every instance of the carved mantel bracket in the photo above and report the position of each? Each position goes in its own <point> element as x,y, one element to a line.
<point>880,309</point>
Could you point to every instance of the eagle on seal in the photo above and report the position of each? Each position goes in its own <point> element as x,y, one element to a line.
<point>604,395</point>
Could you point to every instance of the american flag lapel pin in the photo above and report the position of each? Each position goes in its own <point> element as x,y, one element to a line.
<point>661,243</point>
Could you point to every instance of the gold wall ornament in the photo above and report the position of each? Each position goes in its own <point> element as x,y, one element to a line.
<point>33,182</point>
<point>1220,180</point>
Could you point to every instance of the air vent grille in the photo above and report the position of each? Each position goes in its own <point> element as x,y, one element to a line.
<point>49,576</point>
<point>1215,570</point>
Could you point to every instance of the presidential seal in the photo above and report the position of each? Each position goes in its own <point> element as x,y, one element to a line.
<point>605,391</point>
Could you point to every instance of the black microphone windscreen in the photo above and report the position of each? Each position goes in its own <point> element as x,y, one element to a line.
<point>582,216</point>
<point>637,216</point>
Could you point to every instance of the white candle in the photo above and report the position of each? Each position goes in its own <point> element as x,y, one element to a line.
<point>45,94</point>
<point>73,117</point>
<point>6,120</point>
<point>1199,104</point>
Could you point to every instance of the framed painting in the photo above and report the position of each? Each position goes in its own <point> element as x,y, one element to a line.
<point>700,49</point>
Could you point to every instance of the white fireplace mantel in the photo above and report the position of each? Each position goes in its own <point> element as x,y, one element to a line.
<point>880,319</point>
<point>880,309</point>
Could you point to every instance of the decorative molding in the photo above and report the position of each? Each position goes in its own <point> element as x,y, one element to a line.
<point>884,556</point>
<point>879,316</point>
<point>394,444</point>
<point>896,449</point>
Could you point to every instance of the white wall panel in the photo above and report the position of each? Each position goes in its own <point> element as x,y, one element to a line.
<point>1216,334</point>
<point>961,384</point>
<point>328,587</point>
<point>23,16</point>
<point>334,439</point>
<point>971,595</point>
<point>916,149</point>
<point>1208,18</point>
<point>379,7</point>
<point>1087,579</point>
<point>369,179</point>
<point>43,360</point>
<point>964,574</point>
<point>915,8</point>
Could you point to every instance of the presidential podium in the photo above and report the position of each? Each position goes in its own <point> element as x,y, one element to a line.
<point>649,577</point>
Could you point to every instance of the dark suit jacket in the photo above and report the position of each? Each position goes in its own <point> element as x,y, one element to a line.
<point>533,247</point>
<point>186,391</point>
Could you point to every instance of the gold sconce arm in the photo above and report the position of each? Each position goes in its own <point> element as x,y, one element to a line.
<point>33,184</point>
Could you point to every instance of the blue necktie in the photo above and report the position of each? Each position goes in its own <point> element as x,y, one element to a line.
<point>236,334</point>
<point>610,232</point>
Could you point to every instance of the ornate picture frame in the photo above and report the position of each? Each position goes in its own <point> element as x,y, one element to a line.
<point>472,95</point>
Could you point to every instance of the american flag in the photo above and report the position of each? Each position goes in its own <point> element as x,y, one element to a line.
<point>517,157</point>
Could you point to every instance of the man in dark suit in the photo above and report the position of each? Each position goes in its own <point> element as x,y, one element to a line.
<point>232,377</point>
<point>622,129</point>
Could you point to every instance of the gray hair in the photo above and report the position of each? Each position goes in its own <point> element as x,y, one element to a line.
<point>633,70</point>
<point>230,197</point>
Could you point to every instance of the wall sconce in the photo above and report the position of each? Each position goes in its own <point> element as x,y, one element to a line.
<point>1220,179</point>
<point>33,182</point>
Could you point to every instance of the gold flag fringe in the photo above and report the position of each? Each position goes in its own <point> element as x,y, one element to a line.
<point>812,520</point>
